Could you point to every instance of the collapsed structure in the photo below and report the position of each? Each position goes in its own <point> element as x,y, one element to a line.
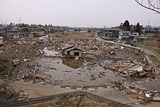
<point>72,51</point>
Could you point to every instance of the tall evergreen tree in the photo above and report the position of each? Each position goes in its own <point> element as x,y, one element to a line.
<point>126,25</point>
<point>138,28</point>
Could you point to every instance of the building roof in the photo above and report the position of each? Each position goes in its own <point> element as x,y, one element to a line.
<point>74,48</point>
<point>13,30</point>
<point>68,46</point>
<point>125,31</point>
<point>114,29</point>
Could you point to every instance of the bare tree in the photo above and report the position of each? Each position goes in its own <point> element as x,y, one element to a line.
<point>153,5</point>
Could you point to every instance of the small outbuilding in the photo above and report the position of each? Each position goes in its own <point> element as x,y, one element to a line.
<point>72,51</point>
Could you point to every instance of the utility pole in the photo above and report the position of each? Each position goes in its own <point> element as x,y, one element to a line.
<point>19,20</point>
<point>144,40</point>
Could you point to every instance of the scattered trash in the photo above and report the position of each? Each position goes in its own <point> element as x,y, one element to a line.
<point>143,95</point>
<point>9,94</point>
<point>132,69</point>
<point>120,60</point>
<point>148,95</point>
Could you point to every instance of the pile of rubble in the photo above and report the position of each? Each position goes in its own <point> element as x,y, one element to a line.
<point>141,94</point>
<point>33,73</point>
<point>23,48</point>
<point>131,68</point>
<point>17,61</point>
<point>8,94</point>
<point>91,47</point>
<point>20,51</point>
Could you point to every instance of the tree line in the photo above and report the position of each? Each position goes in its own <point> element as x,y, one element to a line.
<point>133,28</point>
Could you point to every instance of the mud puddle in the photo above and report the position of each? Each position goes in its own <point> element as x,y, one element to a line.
<point>64,72</point>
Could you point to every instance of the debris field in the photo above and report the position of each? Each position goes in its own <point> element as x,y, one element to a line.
<point>100,65</point>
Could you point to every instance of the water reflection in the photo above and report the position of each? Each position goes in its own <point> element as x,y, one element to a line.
<point>68,72</point>
<point>71,63</point>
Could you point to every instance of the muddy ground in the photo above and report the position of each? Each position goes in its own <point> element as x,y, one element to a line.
<point>88,71</point>
<point>40,61</point>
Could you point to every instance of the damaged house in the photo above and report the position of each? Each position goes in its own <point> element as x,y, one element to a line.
<point>13,33</point>
<point>72,51</point>
<point>36,31</point>
<point>110,33</point>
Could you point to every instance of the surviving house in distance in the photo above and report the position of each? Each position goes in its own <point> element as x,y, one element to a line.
<point>1,41</point>
<point>72,51</point>
<point>124,34</point>
<point>13,33</point>
<point>111,32</point>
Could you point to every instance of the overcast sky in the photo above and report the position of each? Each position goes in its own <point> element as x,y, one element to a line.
<point>76,13</point>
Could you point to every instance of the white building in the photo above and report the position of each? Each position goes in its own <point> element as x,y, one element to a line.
<point>124,34</point>
<point>1,40</point>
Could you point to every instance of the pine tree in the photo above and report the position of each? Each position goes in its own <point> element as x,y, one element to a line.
<point>126,26</point>
<point>138,28</point>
